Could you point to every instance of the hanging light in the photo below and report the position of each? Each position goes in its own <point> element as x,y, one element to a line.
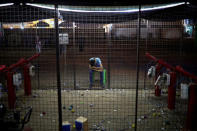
<point>109,11</point>
<point>7,4</point>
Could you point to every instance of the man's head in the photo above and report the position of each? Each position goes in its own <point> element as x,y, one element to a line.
<point>92,61</point>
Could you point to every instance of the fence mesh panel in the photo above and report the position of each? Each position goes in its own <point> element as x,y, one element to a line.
<point>86,32</point>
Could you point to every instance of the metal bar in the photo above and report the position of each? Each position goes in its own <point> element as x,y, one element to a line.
<point>163,63</point>
<point>108,58</point>
<point>172,91</point>
<point>27,80</point>
<point>137,65</point>
<point>22,61</point>
<point>2,67</point>
<point>147,29</point>
<point>181,43</point>
<point>19,63</point>
<point>38,74</point>
<point>33,57</point>
<point>58,68</point>
<point>151,57</point>
<point>192,108</point>
<point>11,90</point>
<point>146,48</point>
<point>38,64</point>
<point>74,56</point>
<point>181,70</point>
<point>145,77</point>
<point>157,73</point>
<point>178,68</point>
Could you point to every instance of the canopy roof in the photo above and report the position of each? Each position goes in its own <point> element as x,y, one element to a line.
<point>98,2</point>
<point>83,14</point>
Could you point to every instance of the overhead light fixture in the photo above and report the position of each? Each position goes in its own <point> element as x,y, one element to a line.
<point>7,4</point>
<point>121,11</point>
<point>22,27</point>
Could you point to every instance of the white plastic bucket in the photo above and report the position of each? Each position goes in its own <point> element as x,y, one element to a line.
<point>184,91</point>
<point>17,79</point>
<point>32,70</point>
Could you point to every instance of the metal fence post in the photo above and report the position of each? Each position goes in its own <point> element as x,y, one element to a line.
<point>137,65</point>
<point>58,68</point>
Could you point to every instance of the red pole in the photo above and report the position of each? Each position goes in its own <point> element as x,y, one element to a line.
<point>19,63</point>
<point>177,68</point>
<point>168,66</point>
<point>27,80</point>
<point>2,67</point>
<point>181,70</point>
<point>172,91</point>
<point>157,73</point>
<point>151,57</point>
<point>192,108</point>
<point>33,57</point>
<point>11,90</point>
<point>157,91</point>
<point>161,62</point>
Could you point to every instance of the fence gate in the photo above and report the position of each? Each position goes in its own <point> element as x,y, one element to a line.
<point>112,38</point>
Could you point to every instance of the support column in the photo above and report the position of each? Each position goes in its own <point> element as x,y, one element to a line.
<point>27,80</point>
<point>109,28</point>
<point>137,66</point>
<point>157,73</point>
<point>11,90</point>
<point>172,91</point>
<point>74,57</point>
<point>58,69</point>
<point>192,108</point>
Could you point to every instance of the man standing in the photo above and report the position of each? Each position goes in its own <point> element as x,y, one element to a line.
<point>96,65</point>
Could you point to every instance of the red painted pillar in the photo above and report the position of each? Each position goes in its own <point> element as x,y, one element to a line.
<point>157,89</point>
<point>11,90</point>
<point>192,108</point>
<point>27,80</point>
<point>172,91</point>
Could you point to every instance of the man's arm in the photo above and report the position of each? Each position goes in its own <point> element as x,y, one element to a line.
<point>92,67</point>
<point>100,69</point>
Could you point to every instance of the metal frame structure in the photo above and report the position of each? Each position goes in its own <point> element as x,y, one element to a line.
<point>24,63</point>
